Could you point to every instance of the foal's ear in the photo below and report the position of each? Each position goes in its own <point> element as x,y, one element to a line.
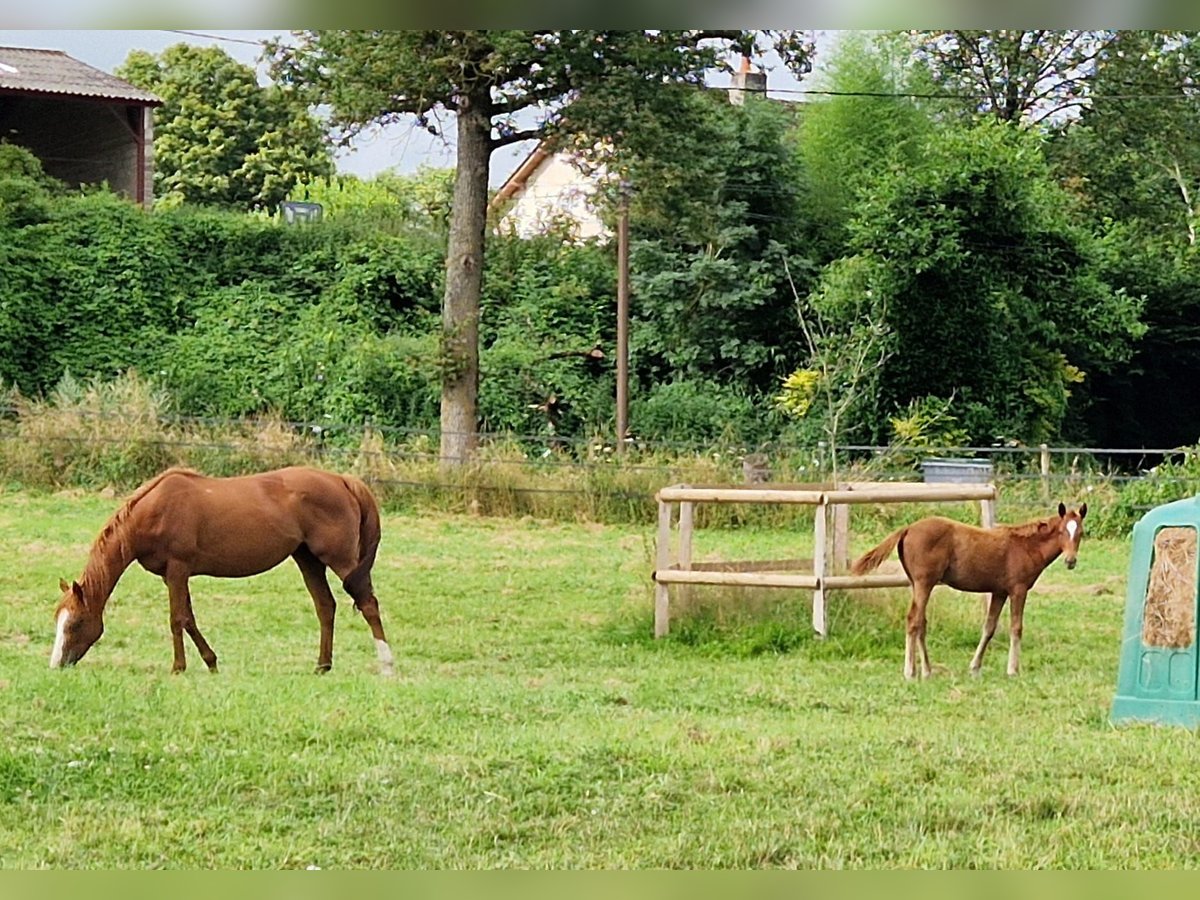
<point>1062,509</point>
<point>1082,510</point>
<point>63,586</point>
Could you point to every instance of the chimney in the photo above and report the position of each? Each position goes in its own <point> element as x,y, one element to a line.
<point>747,84</point>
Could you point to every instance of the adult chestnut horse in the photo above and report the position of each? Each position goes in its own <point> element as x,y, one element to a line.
<point>1003,561</point>
<point>181,523</point>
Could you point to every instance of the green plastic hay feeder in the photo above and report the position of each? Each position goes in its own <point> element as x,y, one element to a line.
<point>1158,677</point>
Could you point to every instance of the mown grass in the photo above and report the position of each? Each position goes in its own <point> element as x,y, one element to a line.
<point>533,721</point>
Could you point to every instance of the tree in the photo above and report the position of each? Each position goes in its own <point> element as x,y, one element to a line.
<point>989,296</point>
<point>1013,76</point>
<point>220,137</point>
<point>1133,161</point>
<point>502,87</point>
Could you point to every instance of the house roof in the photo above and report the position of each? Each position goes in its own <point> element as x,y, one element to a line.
<point>517,179</point>
<point>28,70</point>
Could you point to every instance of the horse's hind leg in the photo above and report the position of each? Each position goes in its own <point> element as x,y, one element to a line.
<point>313,571</point>
<point>989,629</point>
<point>366,603</point>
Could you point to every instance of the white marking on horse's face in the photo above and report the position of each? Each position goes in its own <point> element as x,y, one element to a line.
<point>60,637</point>
<point>1072,529</point>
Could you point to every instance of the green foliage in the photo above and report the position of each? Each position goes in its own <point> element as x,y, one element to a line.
<point>547,336</point>
<point>91,290</point>
<point>26,190</point>
<point>849,140</point>
<point>221,138</point>
<point>927,423</point>
<point>697,412</point>
<point>391,202</point>
<point>988,292</point>
<point>707,259</point>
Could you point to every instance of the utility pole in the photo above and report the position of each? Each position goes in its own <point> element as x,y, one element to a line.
<point>623,322</point>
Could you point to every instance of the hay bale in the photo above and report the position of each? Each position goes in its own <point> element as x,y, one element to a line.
<point>1169,618</point>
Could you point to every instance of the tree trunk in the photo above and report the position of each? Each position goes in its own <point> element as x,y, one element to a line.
<point>464,281</point>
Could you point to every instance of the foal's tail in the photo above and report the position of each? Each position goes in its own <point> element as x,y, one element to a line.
<point>358,583</point>
<point>870,560</point>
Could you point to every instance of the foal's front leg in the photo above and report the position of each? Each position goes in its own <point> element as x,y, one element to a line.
<point>989,629</point>
<point>1016,626</point>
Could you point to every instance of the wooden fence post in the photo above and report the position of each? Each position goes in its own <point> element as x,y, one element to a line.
<point>662,598</point>
<point>819,538</point>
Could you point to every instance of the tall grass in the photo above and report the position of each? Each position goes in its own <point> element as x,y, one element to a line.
<point>115,434</point>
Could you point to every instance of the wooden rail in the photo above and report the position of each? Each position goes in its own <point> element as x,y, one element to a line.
<point>823,498</point>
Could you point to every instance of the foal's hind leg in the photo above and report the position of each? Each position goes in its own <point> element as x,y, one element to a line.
<point>914,638</point>
<point>989,629</point>
<point>313,571</point>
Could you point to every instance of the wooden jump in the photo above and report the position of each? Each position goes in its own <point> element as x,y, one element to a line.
<point>839,498</point>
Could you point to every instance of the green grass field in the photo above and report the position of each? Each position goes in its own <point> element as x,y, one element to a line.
<point>533,721</point>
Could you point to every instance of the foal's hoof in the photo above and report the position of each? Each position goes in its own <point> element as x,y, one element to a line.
<point>322,669</point>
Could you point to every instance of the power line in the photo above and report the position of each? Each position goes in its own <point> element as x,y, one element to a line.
<point>215,37</point>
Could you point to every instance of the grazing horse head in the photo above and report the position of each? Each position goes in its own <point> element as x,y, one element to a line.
<point>76,627</point>
<point>1070,532</point>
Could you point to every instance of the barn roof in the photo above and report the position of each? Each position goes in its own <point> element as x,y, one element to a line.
<point>28,70</point>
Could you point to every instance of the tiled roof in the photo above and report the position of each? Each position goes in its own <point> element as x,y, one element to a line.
<point>53,72</point>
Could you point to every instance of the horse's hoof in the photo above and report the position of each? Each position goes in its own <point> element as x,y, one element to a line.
<point>322,669</point>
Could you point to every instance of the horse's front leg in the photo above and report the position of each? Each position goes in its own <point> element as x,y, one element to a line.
<point>183,620</point>
<point>1016,625</point>
<point>989,628</point>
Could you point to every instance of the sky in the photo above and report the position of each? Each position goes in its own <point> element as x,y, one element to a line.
<point>404,147</point>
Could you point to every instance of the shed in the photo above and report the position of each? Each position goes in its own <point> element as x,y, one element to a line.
<point>85,125</point>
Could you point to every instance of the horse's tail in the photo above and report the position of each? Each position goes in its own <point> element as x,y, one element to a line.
<point>358,583</point>
<point>870,560</point>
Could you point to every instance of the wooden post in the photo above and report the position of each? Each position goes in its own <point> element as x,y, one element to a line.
<point>662,598</point>
<point>686,510</point>
<point>987,512</point>
<point>819,538</point>
<point>987,518</point>
<point>1045,468</point>
<point>841,537</point>
<point>622,326</point>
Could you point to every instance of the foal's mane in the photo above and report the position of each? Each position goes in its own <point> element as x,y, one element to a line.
<point>113,533</point>
<point>1029,529</point>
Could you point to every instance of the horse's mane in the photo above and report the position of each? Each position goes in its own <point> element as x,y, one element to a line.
<point>98,566</point>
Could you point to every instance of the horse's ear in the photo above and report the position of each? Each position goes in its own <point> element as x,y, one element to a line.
<point>63,586</point>
<point>1083,510</point>
<point>78,592</point>
<point>1062,509</point>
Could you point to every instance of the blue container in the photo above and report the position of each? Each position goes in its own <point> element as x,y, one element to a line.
<point>956,471</point>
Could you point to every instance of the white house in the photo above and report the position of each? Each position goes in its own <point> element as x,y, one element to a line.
<point>548,189</point>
